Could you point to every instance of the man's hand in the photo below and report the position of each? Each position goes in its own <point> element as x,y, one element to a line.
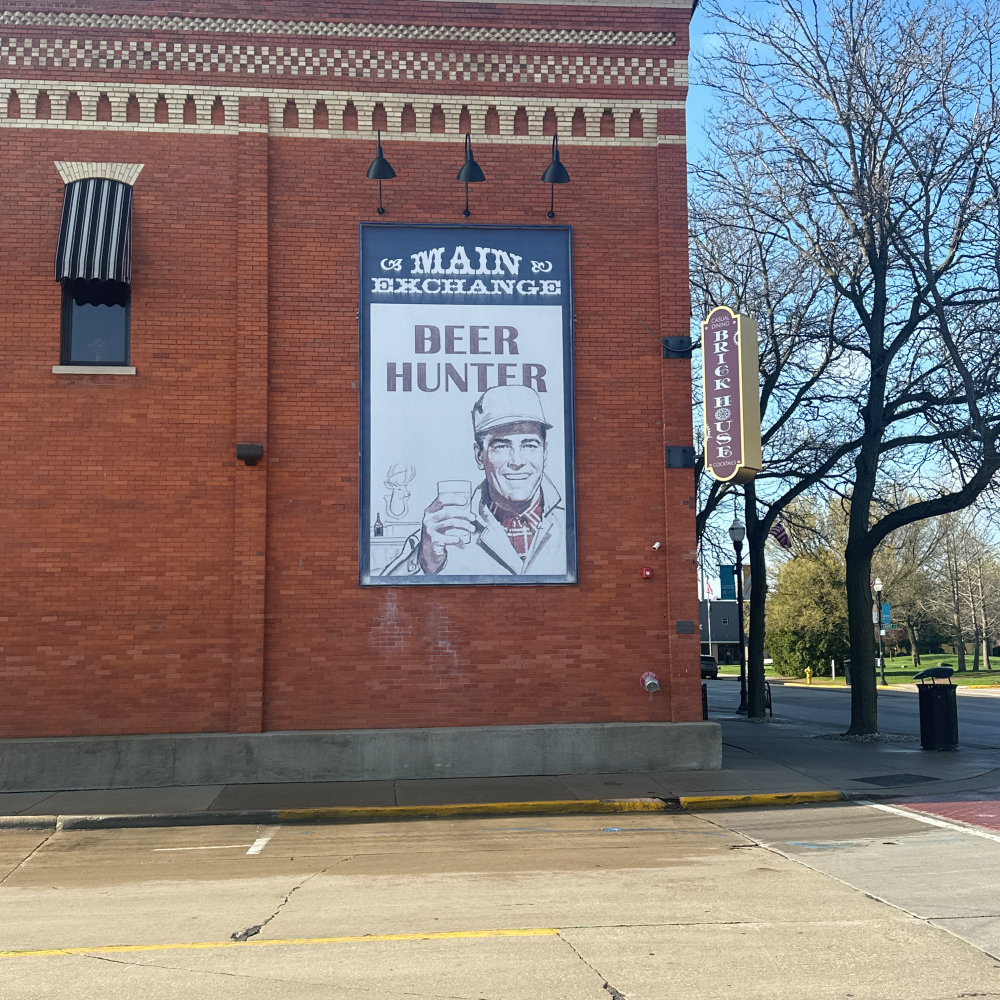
<point>443,525</point>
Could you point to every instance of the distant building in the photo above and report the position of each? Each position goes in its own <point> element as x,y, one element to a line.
<point>720,630</point>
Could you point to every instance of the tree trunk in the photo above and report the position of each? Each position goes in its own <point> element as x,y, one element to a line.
<point>864,692</point>
<point>984,631</point>
<point>955,593</point>
<point>959,643</point>
<point>858,551</point>
<point>911,634</point>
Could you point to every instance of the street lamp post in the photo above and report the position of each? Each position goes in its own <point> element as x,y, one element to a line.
<point>878,625</point>
<point>737,533</point>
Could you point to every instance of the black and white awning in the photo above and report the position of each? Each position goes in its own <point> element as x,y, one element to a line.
<point>95,237</point>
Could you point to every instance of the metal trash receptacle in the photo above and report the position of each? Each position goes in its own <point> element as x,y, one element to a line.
<point>938,714</point>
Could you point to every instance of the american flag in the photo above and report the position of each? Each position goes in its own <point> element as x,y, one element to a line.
<point>779,534</point>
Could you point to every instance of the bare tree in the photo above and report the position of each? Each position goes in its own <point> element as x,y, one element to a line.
<point>736,262</point>
<point>906,562</point>
<point>966,600</point>
<point>868,129</point>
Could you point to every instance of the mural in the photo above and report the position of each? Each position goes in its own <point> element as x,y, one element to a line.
<point>467,406</point>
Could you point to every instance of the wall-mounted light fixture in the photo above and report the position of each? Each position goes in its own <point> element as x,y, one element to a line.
<point>380,170</point>
<point>471,172</point>
<point>555,173</point>
<point>249,454</point>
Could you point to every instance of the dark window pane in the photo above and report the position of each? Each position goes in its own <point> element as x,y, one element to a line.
<point>95,323</point>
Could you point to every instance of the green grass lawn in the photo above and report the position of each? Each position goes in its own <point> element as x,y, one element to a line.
<point>900,670</point>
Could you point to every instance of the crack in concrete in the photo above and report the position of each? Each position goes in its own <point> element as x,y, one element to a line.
<point>28,856</point>
<point>605,985</point>
<point>206,972</point>
<point>254,929</point>
<point>283,982</point>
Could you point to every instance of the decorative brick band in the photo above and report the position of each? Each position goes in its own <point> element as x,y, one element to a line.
<point>335,29</point>
<point>132,55</point>
<point>316,113</point>
<point>127,173</point>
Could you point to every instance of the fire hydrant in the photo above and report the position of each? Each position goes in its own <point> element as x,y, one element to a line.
<point>809,675</point>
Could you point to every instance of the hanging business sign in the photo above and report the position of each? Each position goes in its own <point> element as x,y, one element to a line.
<point>731,389</point>
<point>467,463</point>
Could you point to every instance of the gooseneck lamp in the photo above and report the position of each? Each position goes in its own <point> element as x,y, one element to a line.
<point>471,172</point>
<point>555,173</point>
<point>380,170</point>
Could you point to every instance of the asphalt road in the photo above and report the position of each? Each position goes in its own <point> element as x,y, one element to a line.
<point>898,712</point>
<point>820,902</point>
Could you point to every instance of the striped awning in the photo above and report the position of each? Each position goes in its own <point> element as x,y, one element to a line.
<point>95,237</point>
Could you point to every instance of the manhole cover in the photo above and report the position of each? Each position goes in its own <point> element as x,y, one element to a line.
<point>888,780</point>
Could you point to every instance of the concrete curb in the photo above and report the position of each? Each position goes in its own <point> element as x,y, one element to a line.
<point>339,814</point>
<point>557,807</point>
<point>697,803</point>
<point>889,689</point>
<point>359,814</point>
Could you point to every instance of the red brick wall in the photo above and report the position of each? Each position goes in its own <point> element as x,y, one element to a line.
<point>154,584</point>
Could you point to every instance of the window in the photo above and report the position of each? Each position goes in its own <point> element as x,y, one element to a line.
<point>95,325</point>
<point>93,267</point>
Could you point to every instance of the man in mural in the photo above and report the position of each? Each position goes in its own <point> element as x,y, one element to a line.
<point>515,521</point>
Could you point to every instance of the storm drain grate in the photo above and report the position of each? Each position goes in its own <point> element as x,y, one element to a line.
<point>888,780</point>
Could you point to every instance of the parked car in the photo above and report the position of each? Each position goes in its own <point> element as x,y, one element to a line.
<point>709,667</point>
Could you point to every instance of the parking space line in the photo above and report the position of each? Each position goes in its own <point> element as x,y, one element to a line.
<point>118,949</point>
<point>259,844</point>
<point>214,847</point>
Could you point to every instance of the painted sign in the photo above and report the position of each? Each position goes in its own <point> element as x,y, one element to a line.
<point>731,389</point>
<point>467,464</point>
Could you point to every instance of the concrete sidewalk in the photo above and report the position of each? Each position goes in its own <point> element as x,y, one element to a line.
<point>771,762</point>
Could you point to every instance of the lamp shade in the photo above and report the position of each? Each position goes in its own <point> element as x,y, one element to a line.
<point>737,531</point>
<point>380,169</point>
<point>471,172</point>
<point>555,172</point>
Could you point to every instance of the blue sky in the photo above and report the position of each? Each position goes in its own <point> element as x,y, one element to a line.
<point>699,97</point>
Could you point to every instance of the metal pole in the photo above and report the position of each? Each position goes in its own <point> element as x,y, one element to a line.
<point>744,707</point>
<point>878,625</point>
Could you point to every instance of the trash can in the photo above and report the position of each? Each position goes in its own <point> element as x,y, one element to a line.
<point>938,714</point>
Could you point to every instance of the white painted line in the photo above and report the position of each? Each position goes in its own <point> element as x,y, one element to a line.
<point>931,821</point>
<point>218,847</point>
<point>258,845</point>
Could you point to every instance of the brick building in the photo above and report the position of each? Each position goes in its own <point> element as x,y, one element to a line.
<point>197,174</point>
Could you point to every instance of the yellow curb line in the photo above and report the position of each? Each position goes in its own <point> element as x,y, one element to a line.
<point>696,803</point>
<point>117,949</point>
<point>556,807</point>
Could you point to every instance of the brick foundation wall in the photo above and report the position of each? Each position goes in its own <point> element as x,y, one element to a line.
<point>152,583</point>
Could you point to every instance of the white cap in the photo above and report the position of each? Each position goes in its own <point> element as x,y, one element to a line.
<point>507,404</point>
